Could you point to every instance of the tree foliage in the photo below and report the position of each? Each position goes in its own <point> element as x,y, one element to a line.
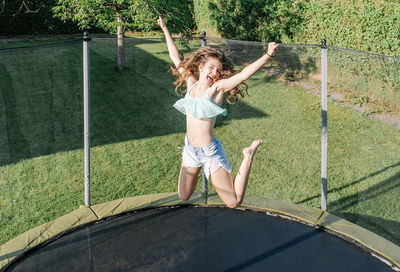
<point>136,15</point>
<point>117,16</point>
<point>31,17</point>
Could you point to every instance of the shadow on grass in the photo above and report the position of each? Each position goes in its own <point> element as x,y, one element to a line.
<point>350,184</point>
<point>385,186</point>
<point>13,143</point>
<point>43,109</point>
<point>388,229</point>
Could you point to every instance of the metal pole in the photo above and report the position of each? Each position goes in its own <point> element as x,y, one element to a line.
<point>203,39</point>
<point>324,118</point>
<point>204,178</point>
<point>205,183</point>
<point>86,116</point>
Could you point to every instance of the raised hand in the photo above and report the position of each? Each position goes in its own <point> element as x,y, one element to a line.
<point>272,48</point>
<point>161,23</point>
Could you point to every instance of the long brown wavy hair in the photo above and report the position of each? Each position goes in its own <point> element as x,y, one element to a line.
<point>190,67</point>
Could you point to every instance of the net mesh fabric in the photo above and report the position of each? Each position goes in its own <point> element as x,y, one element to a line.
<point>41,124</point>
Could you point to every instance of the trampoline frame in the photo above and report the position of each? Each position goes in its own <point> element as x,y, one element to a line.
<point>22,245</point>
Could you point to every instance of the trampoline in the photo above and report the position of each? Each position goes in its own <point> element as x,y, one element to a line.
<point>161,233</point>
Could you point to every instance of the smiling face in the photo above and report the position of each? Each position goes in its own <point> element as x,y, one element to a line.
<point>210,71</point>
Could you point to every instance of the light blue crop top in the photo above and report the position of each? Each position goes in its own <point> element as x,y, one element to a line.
<point>199,107</point>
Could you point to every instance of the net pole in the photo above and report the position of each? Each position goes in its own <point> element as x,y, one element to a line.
<point>86,115</point>
<point>324,119</point>
<point>205,182</point>
<point>203,39</point>
<point>204,178</point>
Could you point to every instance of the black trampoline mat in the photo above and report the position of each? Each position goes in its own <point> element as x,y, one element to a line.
<point>199,239</point>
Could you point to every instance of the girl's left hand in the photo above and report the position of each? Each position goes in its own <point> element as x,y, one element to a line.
<point>272,48</point>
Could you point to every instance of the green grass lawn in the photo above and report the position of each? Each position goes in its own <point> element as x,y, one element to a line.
<point>136,135</point>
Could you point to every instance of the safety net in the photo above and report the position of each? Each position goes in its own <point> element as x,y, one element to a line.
<point>136,136</point>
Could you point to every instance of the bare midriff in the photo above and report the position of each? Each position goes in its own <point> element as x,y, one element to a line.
<point>200,131</point>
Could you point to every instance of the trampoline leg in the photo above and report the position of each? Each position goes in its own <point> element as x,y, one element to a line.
<point>205,183</point>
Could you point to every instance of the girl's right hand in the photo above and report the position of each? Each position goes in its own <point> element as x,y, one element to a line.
<point>272,48</point>
<point>161,22</point>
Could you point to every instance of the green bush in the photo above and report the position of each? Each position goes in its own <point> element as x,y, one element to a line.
<point>257,20</point>
<point>202,15</point>
<point>365,25</point>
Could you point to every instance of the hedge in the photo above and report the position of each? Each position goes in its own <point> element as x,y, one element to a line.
<point>365,25</point>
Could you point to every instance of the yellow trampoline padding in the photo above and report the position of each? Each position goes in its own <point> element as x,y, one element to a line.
<point>40,234</point>
<point>307,214</point>
<point>119,206</point>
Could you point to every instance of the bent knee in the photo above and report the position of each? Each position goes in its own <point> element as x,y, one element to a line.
<point>233,204</point>
<point>184,197</point>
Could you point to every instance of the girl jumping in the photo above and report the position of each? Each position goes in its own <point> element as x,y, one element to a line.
<point>208,75</point>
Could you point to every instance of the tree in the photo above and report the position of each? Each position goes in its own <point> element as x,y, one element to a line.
<point>117,16</point>
<point>23,6</point>
<point>33,17</point>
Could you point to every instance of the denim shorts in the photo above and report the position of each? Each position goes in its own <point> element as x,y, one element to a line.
<point>211,157</point>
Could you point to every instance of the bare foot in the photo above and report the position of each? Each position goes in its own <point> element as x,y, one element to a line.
<point>249,151</point>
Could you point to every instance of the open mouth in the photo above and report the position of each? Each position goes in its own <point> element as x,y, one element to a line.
<point>210,80</point>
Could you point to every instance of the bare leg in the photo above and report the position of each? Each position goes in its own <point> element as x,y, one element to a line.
<point>187,181</point>
<point>232,192</point>
<point>242,176</point>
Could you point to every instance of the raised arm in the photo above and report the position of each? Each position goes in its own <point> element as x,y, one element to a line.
<point>172,49</point>
<point>248,71</point>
